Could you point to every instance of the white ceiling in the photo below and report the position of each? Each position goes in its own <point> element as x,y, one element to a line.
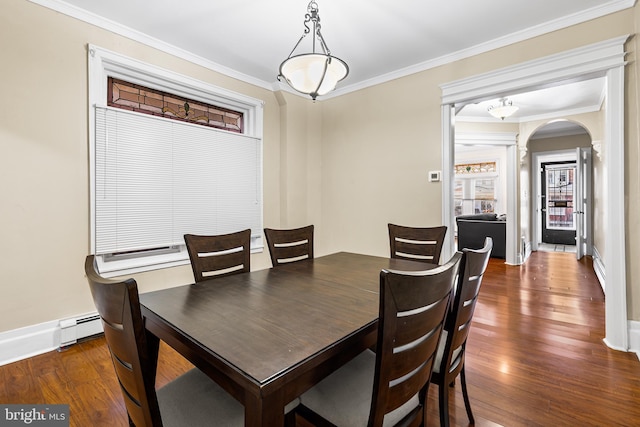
<point>380,40</point>
<point>546,104</point>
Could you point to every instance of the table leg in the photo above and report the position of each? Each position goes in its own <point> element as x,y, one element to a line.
<point>264,411</point>
<point>153,349</point>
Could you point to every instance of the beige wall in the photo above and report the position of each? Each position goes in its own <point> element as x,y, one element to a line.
<point>379,142</point>
<point>300,163</point>
<point>44,170</point>
<point>378,146</point>
<point>349,164</point>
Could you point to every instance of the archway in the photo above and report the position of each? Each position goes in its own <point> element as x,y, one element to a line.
<point>560,159</point>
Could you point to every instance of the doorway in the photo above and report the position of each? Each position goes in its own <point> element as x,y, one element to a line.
<point>557,194</point>
<point>605,59</point>
<point>562,197</point>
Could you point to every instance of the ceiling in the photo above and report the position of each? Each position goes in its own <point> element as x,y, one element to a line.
<point>378,39</point>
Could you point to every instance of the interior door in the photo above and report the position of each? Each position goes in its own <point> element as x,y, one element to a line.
<point>582,202</point>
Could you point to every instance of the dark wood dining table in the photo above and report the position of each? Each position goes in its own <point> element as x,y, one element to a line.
<point>269,335</point>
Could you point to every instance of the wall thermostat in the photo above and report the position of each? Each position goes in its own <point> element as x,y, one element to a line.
<point>434,176</point>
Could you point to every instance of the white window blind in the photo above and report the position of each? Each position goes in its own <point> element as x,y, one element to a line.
<point>158,179</point>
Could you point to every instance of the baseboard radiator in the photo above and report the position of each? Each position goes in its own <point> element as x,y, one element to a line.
<point>75,329</point>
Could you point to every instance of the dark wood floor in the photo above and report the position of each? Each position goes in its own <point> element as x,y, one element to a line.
<point>535,357</point>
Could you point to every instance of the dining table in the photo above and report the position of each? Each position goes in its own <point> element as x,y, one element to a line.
<point>268,335</point>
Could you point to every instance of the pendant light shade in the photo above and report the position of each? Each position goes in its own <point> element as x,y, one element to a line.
<point>504,109</point>
<point>314,73</point>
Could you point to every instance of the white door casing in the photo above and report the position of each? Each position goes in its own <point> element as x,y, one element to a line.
<point>582,203</point>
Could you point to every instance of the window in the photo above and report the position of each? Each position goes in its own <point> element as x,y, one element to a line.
<point>560,193</point>
<point>154,179</point>
<point>475,188</point>
<point>129,96</point>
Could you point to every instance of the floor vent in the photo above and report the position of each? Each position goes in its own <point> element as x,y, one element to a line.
<point>73,330</point>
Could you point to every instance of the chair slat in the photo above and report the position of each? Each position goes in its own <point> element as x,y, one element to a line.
<point>415,243</point>
<point>289,245</point>
<point>219,255</point>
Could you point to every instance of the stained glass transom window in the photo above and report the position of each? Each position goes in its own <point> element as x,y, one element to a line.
<point>468,168</point>
<point>129,96</point>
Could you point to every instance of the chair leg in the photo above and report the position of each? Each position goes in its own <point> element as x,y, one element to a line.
<point>443,392</point>
<point>465,395</point>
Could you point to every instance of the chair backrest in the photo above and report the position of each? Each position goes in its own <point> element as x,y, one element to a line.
<point>458,323</point>
<point>417,244</point>
<point>221,255</point>
<point>413,306</point>
<point>289,245</point>
<point>119,308</point>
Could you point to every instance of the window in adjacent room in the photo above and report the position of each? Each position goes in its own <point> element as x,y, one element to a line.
<point>169,155</point>
<point>475,188</point>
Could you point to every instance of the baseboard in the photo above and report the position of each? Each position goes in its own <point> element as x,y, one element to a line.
<point>527,251</point>
<point>22,343</point>
<point>599,268</point>
<point>634,337</point>
<point>30,341</point>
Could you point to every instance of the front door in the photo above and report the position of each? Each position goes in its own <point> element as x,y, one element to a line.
<point>558,222</point>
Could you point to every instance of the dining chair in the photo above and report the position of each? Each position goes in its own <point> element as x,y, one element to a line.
<point>192,399</point>
<point>289,245</point>
<point>389,385</point>
<point>220,255</point>
<point>417,244</point>
<point>450,356</point>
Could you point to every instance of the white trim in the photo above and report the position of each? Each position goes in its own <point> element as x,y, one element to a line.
<point>634,337</point>
<point>599,268</point>
<point>592,60</point>
<point>29,341</point>
<point>448,180</point>
<point>104,63</point>
<point>535,208</point>
<point>513,256</point>
<point>615,237</point>
<point>527,251</point>
<point>488,138</point>
<point>606,58</point>
<point>22,343</point>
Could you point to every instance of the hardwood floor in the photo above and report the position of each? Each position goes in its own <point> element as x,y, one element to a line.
<point>535,357</point>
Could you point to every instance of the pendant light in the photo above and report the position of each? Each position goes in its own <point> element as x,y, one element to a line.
<point>313,73</point>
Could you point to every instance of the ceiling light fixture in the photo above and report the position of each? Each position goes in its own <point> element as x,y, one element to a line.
<point>313,73</point>
<point>505,109</point>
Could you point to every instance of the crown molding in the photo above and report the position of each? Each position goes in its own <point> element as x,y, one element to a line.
<point>577,18</point>
<point>548,27</point>
<point>124,31</point>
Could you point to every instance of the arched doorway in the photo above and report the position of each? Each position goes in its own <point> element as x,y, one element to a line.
<point>562,188</point>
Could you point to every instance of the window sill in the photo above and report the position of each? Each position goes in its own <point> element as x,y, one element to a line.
<point>127,267</point>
